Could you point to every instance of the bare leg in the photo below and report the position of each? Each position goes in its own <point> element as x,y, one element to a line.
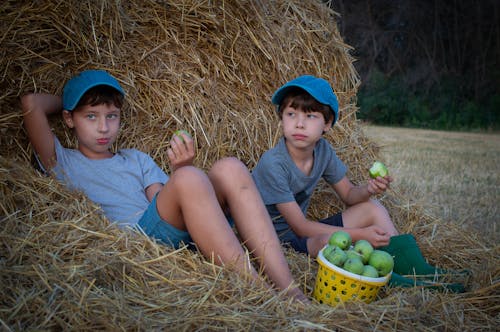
<point>360,216</point>
<point>367,214</point>
<point>236,190</point>
<point>188,202</point>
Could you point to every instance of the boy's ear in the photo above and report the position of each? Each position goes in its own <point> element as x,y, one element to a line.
<point>328,126</point>
<point>68,118</point>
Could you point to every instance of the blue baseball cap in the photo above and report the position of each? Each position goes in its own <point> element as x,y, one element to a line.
<point>317,87</point>
<point>76,87</point>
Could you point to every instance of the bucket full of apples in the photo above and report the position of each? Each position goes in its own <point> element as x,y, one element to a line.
<point>350,271</point>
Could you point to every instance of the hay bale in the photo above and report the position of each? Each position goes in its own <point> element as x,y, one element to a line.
<point>208,67</point>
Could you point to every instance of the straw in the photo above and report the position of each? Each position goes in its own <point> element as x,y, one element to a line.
<point>209,67</point>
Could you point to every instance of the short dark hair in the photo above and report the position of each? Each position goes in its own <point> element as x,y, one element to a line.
<point>101,94</point>
<point>298,98</point>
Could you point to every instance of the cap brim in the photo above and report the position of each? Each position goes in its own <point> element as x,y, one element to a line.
<point>76,98</point>
<point>280,94</point>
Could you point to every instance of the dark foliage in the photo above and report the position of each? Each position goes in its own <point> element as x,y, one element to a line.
<point>426,63</point>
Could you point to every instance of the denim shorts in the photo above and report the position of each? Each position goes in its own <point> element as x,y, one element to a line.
<point>153,226</point>
<point>159,229</point>
<point>300,243</point>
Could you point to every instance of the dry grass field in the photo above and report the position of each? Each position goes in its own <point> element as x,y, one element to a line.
<point>454,175</point>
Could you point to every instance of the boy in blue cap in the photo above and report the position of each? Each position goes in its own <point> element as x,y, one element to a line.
<point>134,192</point>
<point>287,175</point>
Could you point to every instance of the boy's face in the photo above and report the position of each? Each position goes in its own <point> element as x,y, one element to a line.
<point>96,128</point>
<point>303,129</point>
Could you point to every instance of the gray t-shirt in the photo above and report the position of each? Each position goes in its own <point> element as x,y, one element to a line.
<point>279,180</point>
<point>117,184</point>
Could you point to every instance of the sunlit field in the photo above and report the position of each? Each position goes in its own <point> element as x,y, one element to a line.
<point>455,176</point>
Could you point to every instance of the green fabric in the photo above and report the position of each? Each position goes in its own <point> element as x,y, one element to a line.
<point>398,280</point>
<point>408,259</point>
<point>412,270</point>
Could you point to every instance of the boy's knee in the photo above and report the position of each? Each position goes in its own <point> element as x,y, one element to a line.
<point>366,214</point>
<point>188,177</point>
<point>378,208</point>
<point>373,208</point>
<point>382,218</point>
<point>228,167</point>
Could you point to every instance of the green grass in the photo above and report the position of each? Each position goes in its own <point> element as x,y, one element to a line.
<point>454,175</point>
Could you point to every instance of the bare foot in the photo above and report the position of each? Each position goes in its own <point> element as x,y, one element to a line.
<point>297,295</point>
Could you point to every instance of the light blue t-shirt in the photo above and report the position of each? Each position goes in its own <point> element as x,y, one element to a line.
<point>279,180</point>
<point>117,184</point>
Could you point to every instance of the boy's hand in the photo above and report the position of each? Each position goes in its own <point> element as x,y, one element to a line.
<point>181,151</point>
<point>376,236</point>
<point>379,185</point>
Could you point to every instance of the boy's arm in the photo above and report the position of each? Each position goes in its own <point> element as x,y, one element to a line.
<point>303,227</point>
<point>294,217</point>
<point>351,194</point>
<point>36,108</point>
<point>152,190</point>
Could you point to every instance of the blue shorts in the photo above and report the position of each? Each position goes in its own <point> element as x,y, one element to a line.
<point>157,228</point>
<point>300,243</point>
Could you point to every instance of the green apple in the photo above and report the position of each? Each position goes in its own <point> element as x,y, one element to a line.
<point>353,254</point>
<point>354,265</point>
<point>364,248</point>
<point>336,256</point>
<point>369,271</point>
<point>340,239</point>
<point>180,132</point>
<point>378,169</point>
<point>382,261</point>
<point>327,250</point>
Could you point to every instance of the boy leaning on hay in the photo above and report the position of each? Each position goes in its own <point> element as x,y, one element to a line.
<point>134,192</point>
<point>287,174</point>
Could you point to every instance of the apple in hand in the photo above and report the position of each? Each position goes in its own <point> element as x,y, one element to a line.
<point>340,239</point>
<point>364,249</point>
<point>378,169</point>
<point>382,261</point>
<point>179,133</point>
<point>354,265</point>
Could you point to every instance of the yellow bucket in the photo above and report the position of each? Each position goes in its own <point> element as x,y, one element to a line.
<point>335,285</point>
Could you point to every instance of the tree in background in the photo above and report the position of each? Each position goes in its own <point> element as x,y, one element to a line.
<point>426,63</point>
